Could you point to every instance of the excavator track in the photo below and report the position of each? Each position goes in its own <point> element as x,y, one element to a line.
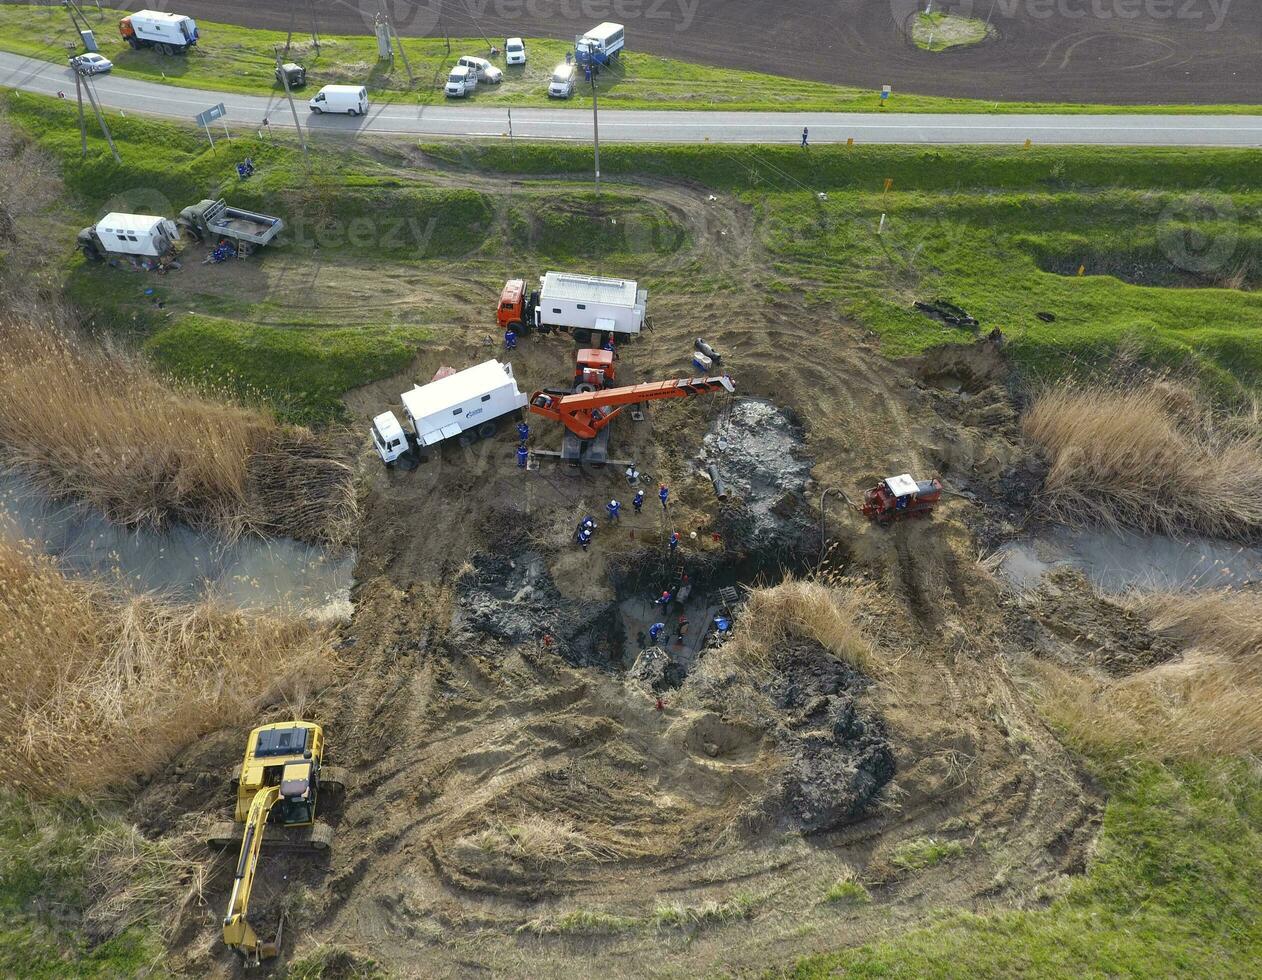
<point>336,779</point>
<point>314,839</point>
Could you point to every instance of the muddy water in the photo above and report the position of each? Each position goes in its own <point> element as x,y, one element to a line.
<point>251,573</point>
<point>1121,562</point>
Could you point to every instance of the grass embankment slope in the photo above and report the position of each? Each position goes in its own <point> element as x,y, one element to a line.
<point>1001,232</point>
<point>238,59</point>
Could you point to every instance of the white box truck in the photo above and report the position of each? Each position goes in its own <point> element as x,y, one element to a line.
<point>590,305</point>
<point>466,405</point>
<point>600,45</point>
<point>350,99</point>
<point>166,33</point>
<point>145,235</point>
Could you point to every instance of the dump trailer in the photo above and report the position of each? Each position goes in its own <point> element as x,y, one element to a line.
<point>139,235</point>
<point>279,785</point>
<point>216,220</point>
<point>166,33</point>
<point>465,405</point>
<point>592,307</point>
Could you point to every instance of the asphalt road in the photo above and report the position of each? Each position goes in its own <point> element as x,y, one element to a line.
<point>636,126</point>
<point>1140,52</point>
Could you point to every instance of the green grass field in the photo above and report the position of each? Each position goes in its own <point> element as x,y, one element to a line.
<point>237,59</point>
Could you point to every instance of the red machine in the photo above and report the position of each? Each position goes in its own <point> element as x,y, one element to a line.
<point>593,369</point>
<point>899,497</point>
<point>585,414</point>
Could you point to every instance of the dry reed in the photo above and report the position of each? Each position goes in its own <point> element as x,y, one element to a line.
<point>1208,702</point>
<point>1149,458</point>
<point>98,688</point>
<point>96,424</point>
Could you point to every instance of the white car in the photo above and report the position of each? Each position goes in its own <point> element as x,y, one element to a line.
<point>461,82</point>
<point>486,71</point>
<point>514,51</point>
<point>562,84</point>
<point>91,64</point>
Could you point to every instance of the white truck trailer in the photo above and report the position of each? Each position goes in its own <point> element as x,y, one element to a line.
<point>167,33</point>
<point>146,235</point>
<point>589,306</point>
<point>600,45</point>
<point>466,405</point>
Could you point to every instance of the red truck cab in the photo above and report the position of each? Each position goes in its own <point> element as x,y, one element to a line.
<point>509,313</point>
<point>594,367</point>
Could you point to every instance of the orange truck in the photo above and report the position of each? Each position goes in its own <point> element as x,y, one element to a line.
<point>593,308</point>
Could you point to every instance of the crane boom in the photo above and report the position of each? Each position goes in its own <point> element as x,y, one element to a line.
<point>237,932</point>
<point>585,413</point>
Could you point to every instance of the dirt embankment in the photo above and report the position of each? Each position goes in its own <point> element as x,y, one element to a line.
<point>525,805</point>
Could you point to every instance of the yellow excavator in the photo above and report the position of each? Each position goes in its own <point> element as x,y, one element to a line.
<point>279,786</point>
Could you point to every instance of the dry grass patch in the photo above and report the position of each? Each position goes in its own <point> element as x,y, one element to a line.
<point>798,607</point>
<point>97,425</point>
<point>1150,458</point>
<point>98,689</point>
<point>538,840</point>
<point>1207,703</point>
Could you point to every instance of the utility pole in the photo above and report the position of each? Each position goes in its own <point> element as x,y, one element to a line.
<point>315,29</point>
<point>83,123</point>
<point>284,79</point>
<point>100,118</point>
<point>511,144</point>
<point>595,128</point>
<point>407,65</point>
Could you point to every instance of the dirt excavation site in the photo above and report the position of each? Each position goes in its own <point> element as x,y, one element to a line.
<point>541,791</point>
<point>743,724</point>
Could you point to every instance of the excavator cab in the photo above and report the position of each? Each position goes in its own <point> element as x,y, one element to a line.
<point>279,785</point>
<point>593,369</point>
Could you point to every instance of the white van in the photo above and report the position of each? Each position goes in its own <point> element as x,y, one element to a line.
<point>350,99</point>
<point>514,51</point>
<point>461,82</point>
<point>486,71</point>
<point>562,84</point>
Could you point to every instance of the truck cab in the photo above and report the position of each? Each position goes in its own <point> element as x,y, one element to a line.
<point>516,307</point>
<point>388,438</point>
<point>593,369</point>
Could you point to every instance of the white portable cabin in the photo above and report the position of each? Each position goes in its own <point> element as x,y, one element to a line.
<point>464,401</point>
<point>160,27</point>
<point>136,234</point>
<point>601,43</point>
<point>568,299</point>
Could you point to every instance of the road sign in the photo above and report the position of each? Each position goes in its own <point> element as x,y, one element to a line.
<point>204,119</point>
<point>211,114</point>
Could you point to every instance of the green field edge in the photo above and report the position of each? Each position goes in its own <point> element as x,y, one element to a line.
<point>240,60</point>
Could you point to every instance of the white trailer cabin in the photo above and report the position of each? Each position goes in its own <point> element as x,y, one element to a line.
<point>170,33</point>
<point>585,303</point>
<point>136,234</point>
<point>469,401</point>
<point>600,44</point>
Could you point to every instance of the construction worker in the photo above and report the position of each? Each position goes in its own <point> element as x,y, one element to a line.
<point>584,538</point>
<point>655,631</point>
<point>522,456</point>
<point>722,624</point>
<point>586,525</point>
<point>663,600</point>
<point>510,339</point>
<point>683,628</point>
<point>523,431</point>
<point>662,493</point>
<point>638,500</point>
<point>613,507</point>
<point>674,541</point>
<point>685,589</point>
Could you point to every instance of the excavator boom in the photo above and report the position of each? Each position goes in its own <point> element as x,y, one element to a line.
<point>585,413</point>
<point>237,932</point>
